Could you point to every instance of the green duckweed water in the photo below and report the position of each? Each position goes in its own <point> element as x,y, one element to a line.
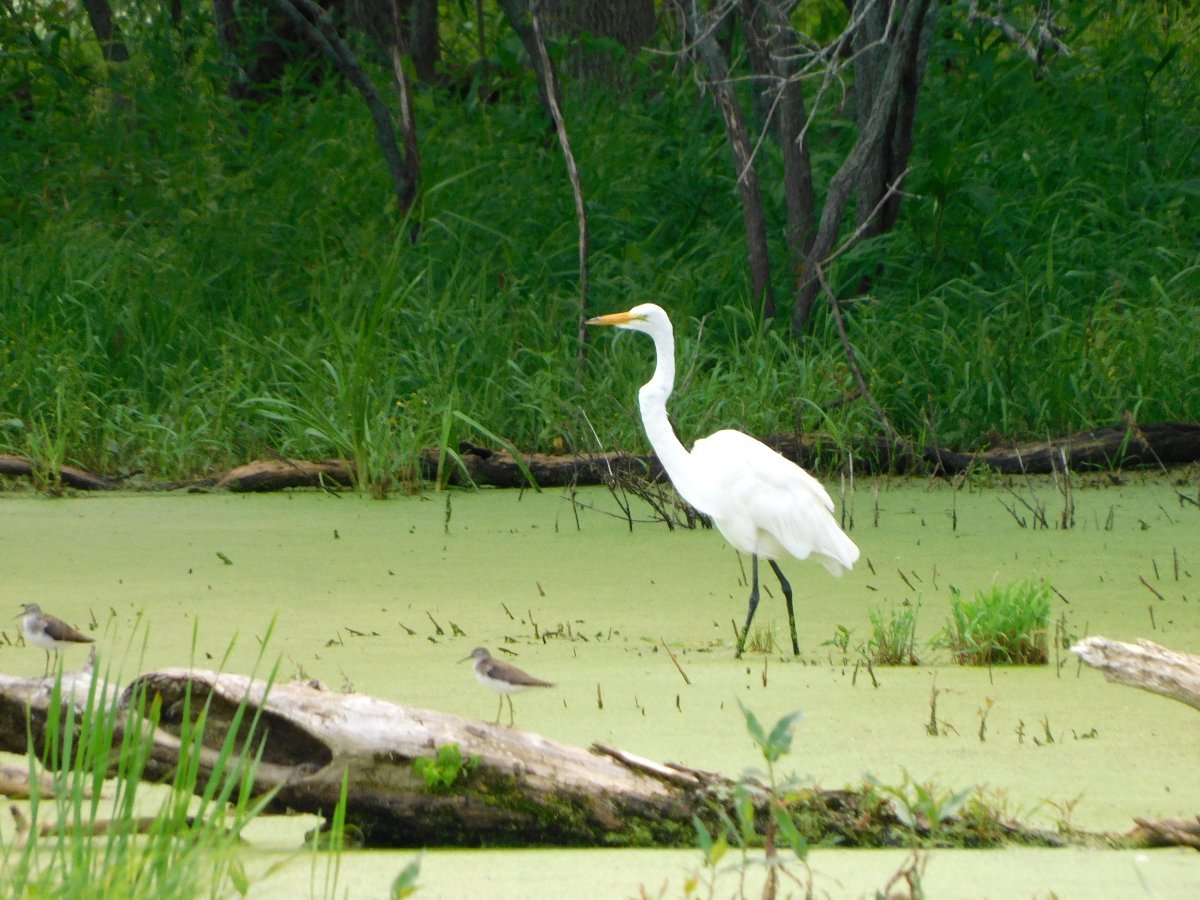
<point>362,589</point>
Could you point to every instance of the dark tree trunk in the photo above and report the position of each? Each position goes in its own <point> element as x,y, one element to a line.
<point>865,170</point>
<point>107,31</point>
<point>424,48</point>
<point>774,52</point>
<point>517,14</point>
<point>717,78</point>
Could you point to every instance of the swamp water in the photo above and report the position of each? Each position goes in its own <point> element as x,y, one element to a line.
<point>371,597</point>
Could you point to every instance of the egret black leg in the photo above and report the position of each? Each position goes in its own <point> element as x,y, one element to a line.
<point>787,595</point>
<point>753,604</point>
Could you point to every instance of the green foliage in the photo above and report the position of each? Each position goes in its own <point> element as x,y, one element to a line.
<point>1006,624</point>
<point>922,807</point>
<point>405,884</point>
<point>893,637</point>
<point>446,769</point>
<point>94,846</point>
<point>762,815</point>
<point>190,283</point>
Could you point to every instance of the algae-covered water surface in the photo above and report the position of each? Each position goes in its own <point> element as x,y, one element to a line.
<point>385,598</point>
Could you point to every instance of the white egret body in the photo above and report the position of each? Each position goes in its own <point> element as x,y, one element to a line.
<point>762,503</point>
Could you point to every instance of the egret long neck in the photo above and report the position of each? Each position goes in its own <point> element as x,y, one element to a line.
<point>652,398</point>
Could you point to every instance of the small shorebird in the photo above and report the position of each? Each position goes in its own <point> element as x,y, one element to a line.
<point>49,632</point>
<point>503,678</point>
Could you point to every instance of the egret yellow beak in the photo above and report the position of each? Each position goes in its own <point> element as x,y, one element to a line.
<point>622,318</point>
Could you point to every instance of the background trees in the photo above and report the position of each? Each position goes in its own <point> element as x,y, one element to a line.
<point>214,248</point>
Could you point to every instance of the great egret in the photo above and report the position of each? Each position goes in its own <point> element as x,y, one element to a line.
<point>503,678</point>
<point>49,632</point>
<point>763,503</point>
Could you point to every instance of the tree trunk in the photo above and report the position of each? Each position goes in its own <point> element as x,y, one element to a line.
<point>629,23</point>
<point>524,789</point>
<point>773,48</point>
<point>425,49</point>
<point>108,33</point>
<point>699,37</point>
<point>894,66</point>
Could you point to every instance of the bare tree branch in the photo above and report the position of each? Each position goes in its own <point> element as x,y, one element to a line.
<point>316,27</point>
<point>408,124</point>
<point>1042,34</point>
<point>718,78</point>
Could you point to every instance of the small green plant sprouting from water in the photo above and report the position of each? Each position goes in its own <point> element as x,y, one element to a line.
<point>762,639</point>
<point>405,884</point>
<point>444,771</point>
<point>841,642</point>
<point>757,796</point>
<point>893,638</point>
<point>922,807</point>
<point>1006,624</point>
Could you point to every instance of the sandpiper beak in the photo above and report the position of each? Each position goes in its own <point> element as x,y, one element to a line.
<point>622,318</point>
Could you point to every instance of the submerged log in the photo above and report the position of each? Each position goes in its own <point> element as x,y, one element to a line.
<point>1146,665</point>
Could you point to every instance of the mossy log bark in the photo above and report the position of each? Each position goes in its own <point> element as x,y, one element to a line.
<point>1123,446</point>
<point>525,789</point>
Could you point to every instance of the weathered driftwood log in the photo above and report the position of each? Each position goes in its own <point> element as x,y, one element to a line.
<point>1145,664</point>
<point>278,474</point>
<point>524,789</point>
<point>1160,670</point>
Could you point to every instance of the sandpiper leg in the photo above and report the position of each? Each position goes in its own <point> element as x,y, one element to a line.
<point>753,605</point>
<point>499,709</point>
<point>787,595</point>
<point>511,720</point>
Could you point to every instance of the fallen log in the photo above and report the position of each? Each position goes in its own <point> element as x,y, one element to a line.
<point>68,475</point>
<point>1122,446</point>
<point>504,787</point>
<point>280,474</point>
<point>1146,665</point>
<point>1168,673</point>
<point>523,788</point>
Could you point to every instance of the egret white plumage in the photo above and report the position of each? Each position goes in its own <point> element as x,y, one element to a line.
<point>763,503</point>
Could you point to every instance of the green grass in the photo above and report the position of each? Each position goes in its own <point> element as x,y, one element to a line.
<point>189,284</point>
<point>97,833</point>
<point>893,637</point>
<point>1002,625</point>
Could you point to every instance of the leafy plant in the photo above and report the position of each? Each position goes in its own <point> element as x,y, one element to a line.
<point>922,807</point>
<point>761,814</point>
<point>443,771</point>
<point>893,638</point>
<point>1006,624</point>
